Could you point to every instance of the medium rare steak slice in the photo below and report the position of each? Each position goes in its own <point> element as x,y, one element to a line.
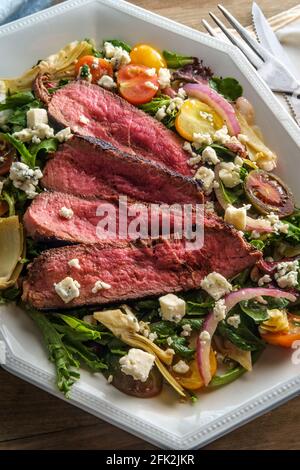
<point>43,221</point>
<point>90,167</point>
<point>90,110</point>
<point>135,269</point>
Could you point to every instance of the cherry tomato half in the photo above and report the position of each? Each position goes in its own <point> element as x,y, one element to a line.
<point>268,193</point>
<point>143,54</point>
<point>98,67</point>
<point>192,380</point>
<point>284,339</point>
<point>135,85</point>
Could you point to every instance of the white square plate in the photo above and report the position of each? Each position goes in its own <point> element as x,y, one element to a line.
<point>163,421</point>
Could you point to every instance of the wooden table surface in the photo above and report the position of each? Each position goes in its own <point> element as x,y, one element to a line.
<point>32,419</point>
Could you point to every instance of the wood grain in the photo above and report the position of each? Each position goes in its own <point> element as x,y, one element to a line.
<point>32,419</point>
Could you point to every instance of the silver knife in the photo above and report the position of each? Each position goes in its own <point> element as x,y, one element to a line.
<point>268,39</point>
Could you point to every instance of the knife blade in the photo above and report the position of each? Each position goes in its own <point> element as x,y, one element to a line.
<point>268,39</point>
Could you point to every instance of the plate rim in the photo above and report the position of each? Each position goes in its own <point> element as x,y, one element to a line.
<point>85,400</point>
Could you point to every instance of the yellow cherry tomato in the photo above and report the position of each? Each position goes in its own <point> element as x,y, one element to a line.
<point>196,117</point>
<point>192,380</point>
<point>143,54</point>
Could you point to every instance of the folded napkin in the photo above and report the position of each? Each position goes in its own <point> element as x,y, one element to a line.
<point>11,10</point>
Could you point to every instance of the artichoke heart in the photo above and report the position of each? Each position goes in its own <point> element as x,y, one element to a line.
<point>277,322</point>
<point>56,65</point>
<point>125,327</point>
<point>258,151</point>
<point>11,250</point>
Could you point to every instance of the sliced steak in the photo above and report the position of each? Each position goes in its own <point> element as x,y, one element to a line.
<point>135,269</point>
<point>94,220</point>
<point>90,110</point>
<point>90,167</point>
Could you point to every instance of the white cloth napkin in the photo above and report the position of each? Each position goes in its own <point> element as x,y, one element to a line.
<point>8,7</point>
<point>289,36</point>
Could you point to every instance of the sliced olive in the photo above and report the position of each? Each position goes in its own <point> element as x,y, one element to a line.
<point>3,208</point>
<point>268,193</point>
<point>127,384</point>
<point>7,155</point>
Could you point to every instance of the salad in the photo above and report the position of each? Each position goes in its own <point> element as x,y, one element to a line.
<point>194,340</point>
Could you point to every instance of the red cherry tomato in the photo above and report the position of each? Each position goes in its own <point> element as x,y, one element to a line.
<point>98,67</point>
<point>136,85</point>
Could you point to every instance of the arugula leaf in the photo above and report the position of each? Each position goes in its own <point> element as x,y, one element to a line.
<point>84,330</point>
<point>9,295</point>
<point>85,355</point>
<point>63,359</point>
<point>61,83</point>
<point>229,87</point>
<point>9,198</point>
<point>175,61</point>
<point>258,244</point>
<point>47,146</point>
<point>155,104</point>
<point>233,373</point>
<point>26,156</point>
<point>118,43</point>
<point>243,173</point>
<point>229,195</point>
<point>17,99</point>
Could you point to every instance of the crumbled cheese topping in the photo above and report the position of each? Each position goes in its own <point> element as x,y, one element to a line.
<point>74,263</point>
<point>234,321</point>
<point>216,285</point>
<point>287,274</point>
<point>209,156</point>
<point>24,178</point>
<point>230,174</point>
<point>144,328</point>
<point>67,289</point>
<point>40,132</point>
<point>137,363</point>
<point>35,117</point>
<point>207,176</point>
<point>117,55</point>
<point>150,72</point>
<point>207,116</point>
<point>264,280</point>
<point>172,308</point>
<point>152,336</point>
<point>66,213</point>
<point>169,341</point>
<point>219,310</point>
<point>100,285</point>
<point>186,330</point>
<point>181,367</point>
<point>64,135</point>
<point>151,85</point>
<point>110,378</point>
<point>222,136</point>
<point>107,82</point>
<point>209,207</point>
<point>276,224</point>
<point>236,216</point>
<point>83,119</point>
<point>161,113</point>
<point>202,138</point>
<point>164,77</point>
<point>182,93</point>
<point>204,336</point>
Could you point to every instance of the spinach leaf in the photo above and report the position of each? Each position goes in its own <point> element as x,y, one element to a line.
<point>175,61</point>
<point>118,43</point>
<point>84,330</point>
<point>229,87</point>
<point>17,99</point>
<point>274,302</point>
<point>242,336</point>
<point>163,328</point>
<point>63,359</point>
<point>195,308</point>
<point>255,310</point>
<point>195,323</point>
<point>181,347</point>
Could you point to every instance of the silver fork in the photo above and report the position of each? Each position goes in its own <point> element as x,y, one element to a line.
<point>275,74</point>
